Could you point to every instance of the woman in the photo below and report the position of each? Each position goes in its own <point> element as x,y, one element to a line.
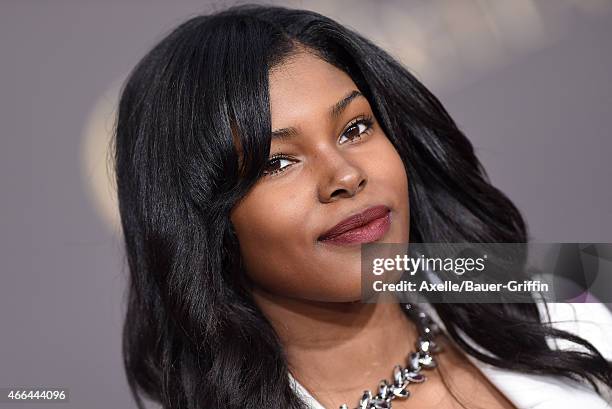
<point>247,141</point>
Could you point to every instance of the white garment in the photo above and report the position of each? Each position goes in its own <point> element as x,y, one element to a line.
<point>591,321</point>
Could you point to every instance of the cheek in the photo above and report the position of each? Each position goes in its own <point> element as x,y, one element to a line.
<point>391,179</point>
<point>269,224</point>
<point>280,253</point>
<point>391,162</point>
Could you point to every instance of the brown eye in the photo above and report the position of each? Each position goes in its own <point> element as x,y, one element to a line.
<point>357,128</point>
<point>275,164</point>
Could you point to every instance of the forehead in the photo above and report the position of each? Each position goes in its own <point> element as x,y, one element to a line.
<point>305,85</point>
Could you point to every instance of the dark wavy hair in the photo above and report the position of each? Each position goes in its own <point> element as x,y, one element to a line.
<point>193,337</point>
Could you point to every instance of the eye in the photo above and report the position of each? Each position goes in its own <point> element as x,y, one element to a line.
<point>357,128</point>
<point>275,164</point>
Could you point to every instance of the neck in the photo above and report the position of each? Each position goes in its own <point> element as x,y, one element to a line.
<point>336,350</point>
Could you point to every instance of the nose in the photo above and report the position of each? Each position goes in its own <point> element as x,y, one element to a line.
<point>340,177</point>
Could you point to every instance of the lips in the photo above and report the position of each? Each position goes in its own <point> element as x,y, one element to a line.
<point>355,222</point>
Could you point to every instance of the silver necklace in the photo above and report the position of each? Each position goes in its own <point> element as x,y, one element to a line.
<point>403,376</point>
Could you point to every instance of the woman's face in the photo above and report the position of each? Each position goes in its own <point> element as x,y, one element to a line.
<point>333,165</point>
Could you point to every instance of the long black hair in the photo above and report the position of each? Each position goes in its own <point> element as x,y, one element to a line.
<point>193,337</point>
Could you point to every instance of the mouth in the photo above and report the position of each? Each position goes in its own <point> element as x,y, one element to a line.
<point>365,227</point>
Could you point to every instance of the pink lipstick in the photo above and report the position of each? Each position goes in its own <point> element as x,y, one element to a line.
<point>365,227</point>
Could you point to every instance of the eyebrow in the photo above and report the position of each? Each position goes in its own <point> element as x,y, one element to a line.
<point>334,112</point>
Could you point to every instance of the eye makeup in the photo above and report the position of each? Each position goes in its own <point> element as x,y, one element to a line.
<point>363,124</point>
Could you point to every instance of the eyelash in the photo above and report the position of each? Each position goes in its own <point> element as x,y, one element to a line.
<point>366,120</point>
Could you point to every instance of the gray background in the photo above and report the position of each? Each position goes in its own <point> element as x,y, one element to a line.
<point>528,81</point>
